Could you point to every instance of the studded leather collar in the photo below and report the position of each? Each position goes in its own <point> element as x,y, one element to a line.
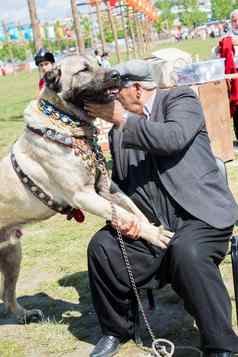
<point>37,191</point>
<point>53,135</point>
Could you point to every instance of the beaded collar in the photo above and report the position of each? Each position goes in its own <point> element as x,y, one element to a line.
<point>56,114</point>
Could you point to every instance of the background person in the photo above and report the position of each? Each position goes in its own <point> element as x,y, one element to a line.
<point>98,57</point>
<point>162,159</point>
<point>228,49</point>
<point>105,60</point>
<point>44,60</point>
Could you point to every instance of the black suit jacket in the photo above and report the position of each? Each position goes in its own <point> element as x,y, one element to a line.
<point>176,140</point>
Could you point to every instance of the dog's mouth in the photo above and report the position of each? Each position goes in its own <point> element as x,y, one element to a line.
<point>111,94</point>
<point>96,91</point>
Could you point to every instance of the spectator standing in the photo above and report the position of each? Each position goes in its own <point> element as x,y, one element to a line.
<point>228,49</point>
<point>98,57</point>
<point>3,71</point>
<point>105,60</point>
<point>44,60</point>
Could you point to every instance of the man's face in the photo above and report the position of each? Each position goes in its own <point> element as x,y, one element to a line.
<point>234,22</point>
<point>128,98</point>
<point>45,66</point>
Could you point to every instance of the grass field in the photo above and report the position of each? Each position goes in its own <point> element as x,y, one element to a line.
<point>54,269</point>
<point>197,48</point>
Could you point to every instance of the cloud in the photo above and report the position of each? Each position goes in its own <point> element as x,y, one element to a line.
<point>17,10</point>
<point>53,9</point>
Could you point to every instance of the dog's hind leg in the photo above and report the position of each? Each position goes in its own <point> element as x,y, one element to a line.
<point>10,261</point>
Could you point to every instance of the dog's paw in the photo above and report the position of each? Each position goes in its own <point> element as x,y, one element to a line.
<point>29,316</point>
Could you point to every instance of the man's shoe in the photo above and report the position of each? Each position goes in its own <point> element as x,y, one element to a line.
<point>107,346</point>
<point>218,354</point>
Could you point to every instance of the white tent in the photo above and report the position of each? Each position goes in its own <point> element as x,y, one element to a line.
<point>165,62</point>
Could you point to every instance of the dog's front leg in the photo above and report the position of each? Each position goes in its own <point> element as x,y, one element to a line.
<point>115,195</point>
<point>95,204</point>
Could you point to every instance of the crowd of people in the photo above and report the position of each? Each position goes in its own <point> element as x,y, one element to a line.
<point>212,29</point>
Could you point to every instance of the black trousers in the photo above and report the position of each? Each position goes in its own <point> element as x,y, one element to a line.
<point>190,264</point>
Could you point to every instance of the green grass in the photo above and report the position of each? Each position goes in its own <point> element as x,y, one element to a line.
<point>201,49</point>
<point>54,269</point>
<point>196,47</point>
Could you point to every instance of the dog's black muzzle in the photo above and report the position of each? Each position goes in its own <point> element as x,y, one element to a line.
<point>113,79</point>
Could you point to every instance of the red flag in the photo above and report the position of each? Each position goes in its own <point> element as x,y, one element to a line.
<point>112,2</point>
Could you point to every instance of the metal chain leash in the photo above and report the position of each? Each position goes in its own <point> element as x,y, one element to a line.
<point>160,347</point>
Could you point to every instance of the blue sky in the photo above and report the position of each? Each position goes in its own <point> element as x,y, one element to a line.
<point>17,10</point>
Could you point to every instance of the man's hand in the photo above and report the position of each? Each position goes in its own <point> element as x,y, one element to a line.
<point>112,112</point>
<point>132,230</point>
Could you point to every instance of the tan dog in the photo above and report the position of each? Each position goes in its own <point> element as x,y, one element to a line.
<point>52,168</point>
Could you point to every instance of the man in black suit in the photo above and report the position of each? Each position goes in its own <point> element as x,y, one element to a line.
<point>162,159</point>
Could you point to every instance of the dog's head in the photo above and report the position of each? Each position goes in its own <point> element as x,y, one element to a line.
<point>78,79</point>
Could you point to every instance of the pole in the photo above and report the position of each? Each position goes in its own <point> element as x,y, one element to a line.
<point>125,29</point>
<point>137,34</point>
<point>114,30</point>
<point>76,19</point>
<point>131,28</point>
<point>140,34</point>
<point>35,23</point>
<point>99,19</point>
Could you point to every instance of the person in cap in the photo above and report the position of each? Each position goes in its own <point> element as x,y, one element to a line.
<point>162,159</point>
<point>44,60</point>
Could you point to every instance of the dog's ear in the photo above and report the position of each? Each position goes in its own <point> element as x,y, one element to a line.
<point>53,79</point>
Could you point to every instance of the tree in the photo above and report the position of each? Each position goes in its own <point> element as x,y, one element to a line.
<point>191,15</point>
<point>193,18</point>
<point>166,17</point>
<point>221,9</point>
<point>235,4</point>
<point>12,52</point>
<point>87,26</point>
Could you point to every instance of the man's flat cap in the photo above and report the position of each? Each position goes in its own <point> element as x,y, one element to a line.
<point>135,71</point>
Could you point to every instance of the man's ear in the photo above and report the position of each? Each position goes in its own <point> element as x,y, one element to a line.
<point>53,79</point>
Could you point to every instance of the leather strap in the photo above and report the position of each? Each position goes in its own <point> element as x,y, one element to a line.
<point>45,198</point>
<point>53,135</point>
